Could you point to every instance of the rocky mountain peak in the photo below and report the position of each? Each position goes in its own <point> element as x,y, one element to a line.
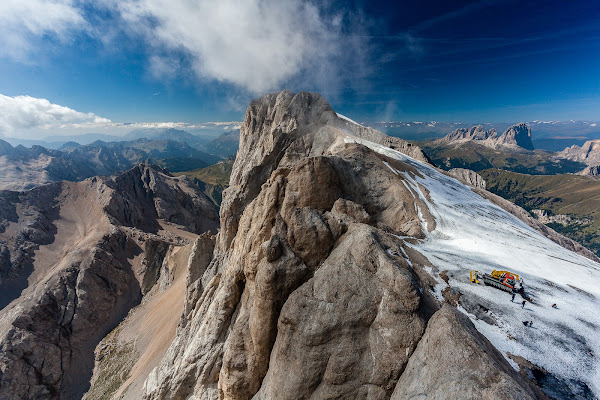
<point>279,129</point>
<point>5,148</point>
<point>588,154</point>
<point>519,135</point>
<point>591,147</point>
<point>474,133</point>
<point>310,273</point>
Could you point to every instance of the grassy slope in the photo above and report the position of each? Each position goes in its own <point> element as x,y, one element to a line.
<point>212,180</point>
<point>216,174</point>
<point>477,157</point>
<point>573,195</point>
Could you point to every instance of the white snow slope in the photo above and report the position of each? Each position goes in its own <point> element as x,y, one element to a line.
<point>473,233</point>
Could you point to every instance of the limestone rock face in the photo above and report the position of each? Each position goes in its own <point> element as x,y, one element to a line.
<point>311,291</point>
<point>436,369</point>
<point>475,133</point>
<point>76,257</point>
<point>592,170</point>
<point>279,129</point>
<point>517,135</point>
<point>589,153</point>
<point>468,177</point>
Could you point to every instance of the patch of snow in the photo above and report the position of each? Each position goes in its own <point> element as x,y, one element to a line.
<point>347,119</point>
<point>473,233</point>
<point>393,170</point>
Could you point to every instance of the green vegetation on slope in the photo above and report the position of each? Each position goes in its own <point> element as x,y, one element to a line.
<point>577,197</point>
<point>212,180</point>
<point>477,157</point>
<point>176,164</point>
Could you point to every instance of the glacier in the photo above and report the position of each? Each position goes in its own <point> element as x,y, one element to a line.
<point>473,233</point>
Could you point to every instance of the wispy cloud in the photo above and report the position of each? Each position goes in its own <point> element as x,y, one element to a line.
<point>21,114</point>
<point>24,22</point>
<point>459,12</point>
<point>255,45</point>
<point>252,45</point>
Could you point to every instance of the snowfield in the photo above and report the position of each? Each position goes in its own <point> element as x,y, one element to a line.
<point>473,233</point>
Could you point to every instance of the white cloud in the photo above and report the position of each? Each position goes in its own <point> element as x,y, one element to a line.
<point>20,115</point>
<point>257,45</point>
<point>23,22</point>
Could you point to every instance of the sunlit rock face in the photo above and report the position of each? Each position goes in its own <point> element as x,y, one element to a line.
<point>315,288</point>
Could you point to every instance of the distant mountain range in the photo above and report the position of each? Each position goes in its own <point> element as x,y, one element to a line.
<point>546,135</point>
<point>478,149</point>
<point>57,141</point>
<point>24,168</point>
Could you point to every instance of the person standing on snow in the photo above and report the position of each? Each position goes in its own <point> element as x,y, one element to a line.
<point>512,299</point>
<point>523,305</point>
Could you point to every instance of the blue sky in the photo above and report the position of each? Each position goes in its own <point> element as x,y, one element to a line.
<point>85,66</point>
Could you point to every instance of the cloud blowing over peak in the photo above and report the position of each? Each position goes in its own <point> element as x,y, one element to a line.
<point>252,45</point>
<point>255,45</point>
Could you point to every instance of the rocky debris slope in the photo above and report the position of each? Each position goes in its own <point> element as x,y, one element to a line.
<point>312,290</point>
<point>89,249</point>
<point>516,137</point>
<point>125,357</point>
<point>468,177</point>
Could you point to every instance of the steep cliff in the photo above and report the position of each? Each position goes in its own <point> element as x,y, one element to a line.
<point>515,137</point>
<point>76,258</point>
<point>315,288</point>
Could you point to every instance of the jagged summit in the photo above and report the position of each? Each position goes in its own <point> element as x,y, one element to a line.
<point>5,148</point>
<point>588,154</point>
<point>516,136</point>
<point>325,274</point>
<point>75,257</point>
<point>281,128</point>
<point>475,133</point>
